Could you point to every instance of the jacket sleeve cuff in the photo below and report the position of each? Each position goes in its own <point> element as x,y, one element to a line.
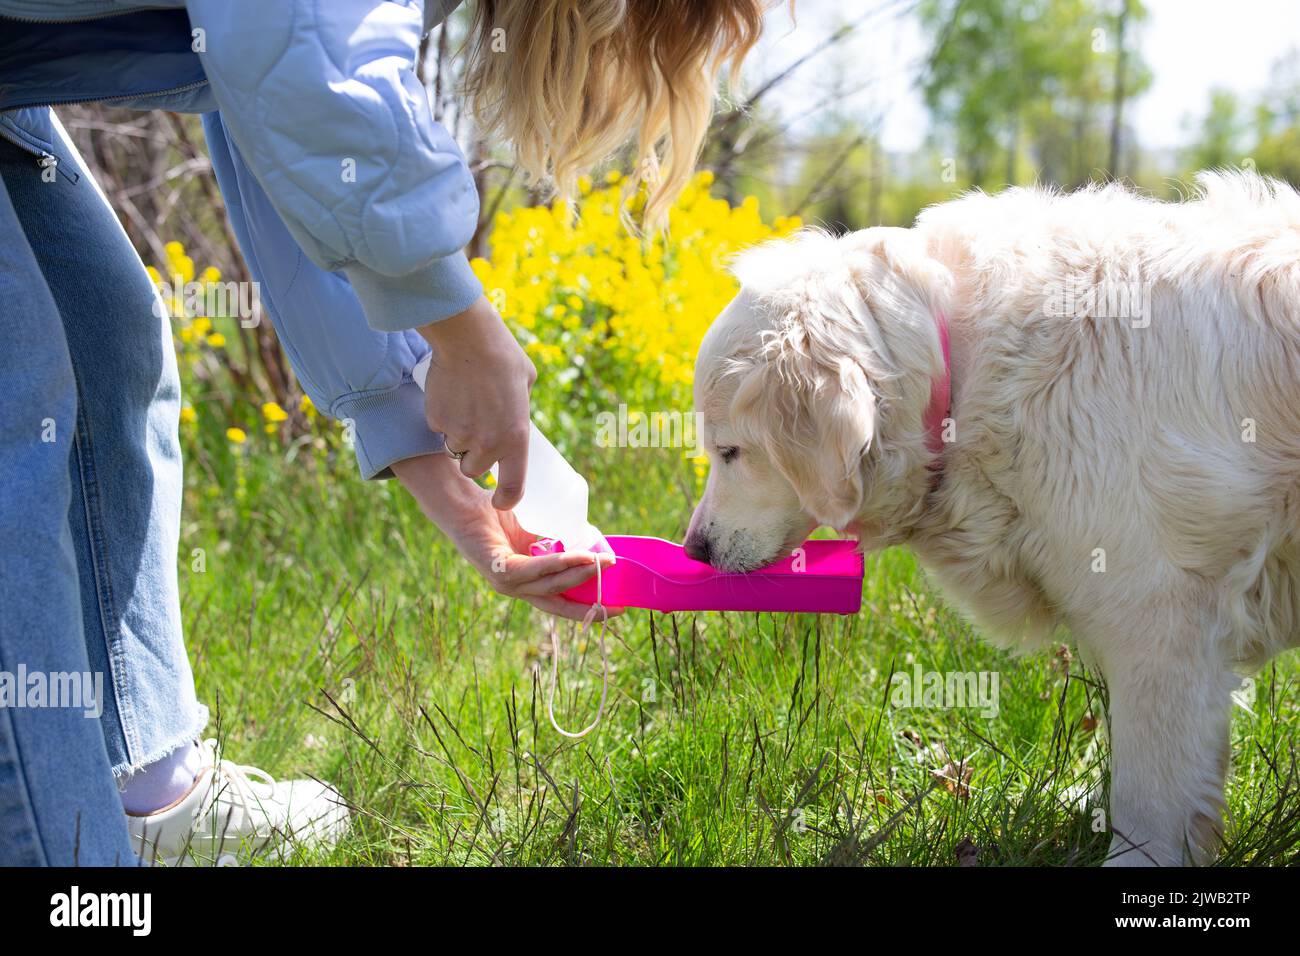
<point>443,288</point>
<point>387,427</point>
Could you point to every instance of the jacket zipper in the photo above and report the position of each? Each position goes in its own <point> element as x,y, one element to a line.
<point>43,159</point>
<point>97,16</point>
<point>74,101</point>
<point>46,160</point>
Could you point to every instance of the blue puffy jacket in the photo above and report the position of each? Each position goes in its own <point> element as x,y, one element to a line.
<point>351,205</point>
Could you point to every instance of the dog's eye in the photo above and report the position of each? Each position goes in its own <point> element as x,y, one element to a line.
<point>729,453</point>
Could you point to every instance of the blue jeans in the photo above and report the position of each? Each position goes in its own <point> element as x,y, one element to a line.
<point>90,495</point>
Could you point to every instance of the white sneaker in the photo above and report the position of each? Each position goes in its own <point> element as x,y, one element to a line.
<point>229,817</point>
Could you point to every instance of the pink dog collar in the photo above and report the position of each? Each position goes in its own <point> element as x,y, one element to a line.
<point>940,408</point>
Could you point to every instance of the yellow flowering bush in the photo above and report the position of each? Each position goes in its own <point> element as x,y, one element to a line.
<point>609,317</point>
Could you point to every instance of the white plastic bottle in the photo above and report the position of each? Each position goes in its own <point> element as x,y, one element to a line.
<point>554,503</point>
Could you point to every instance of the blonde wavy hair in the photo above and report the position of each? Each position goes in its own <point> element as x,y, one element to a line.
<point>569,82</point>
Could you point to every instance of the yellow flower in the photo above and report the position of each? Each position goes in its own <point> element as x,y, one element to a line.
<point>202,325</point>
<point>185,268</point>
<point>308,407</point>
<point>272,412</point>
<point>606,311</point>
<point>188,415</point>
<point>217,340</point>
<point>236,436</point>
<point>210,274</point>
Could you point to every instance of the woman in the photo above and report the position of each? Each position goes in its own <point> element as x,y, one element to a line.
<point>351,206</point>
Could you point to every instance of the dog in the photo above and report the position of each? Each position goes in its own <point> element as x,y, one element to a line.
<point>1117,452</point>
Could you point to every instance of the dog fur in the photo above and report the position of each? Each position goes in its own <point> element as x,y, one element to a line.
<point>1132,478</point>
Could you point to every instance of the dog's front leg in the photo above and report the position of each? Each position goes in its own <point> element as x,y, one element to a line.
<point>1169,712</point>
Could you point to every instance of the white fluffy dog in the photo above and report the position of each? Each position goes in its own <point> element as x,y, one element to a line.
<point>1120,454</point>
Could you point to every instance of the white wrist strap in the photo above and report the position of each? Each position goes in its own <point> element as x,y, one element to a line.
<point>597,608</point>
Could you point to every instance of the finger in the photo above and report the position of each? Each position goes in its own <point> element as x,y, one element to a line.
<point>558,583</point>
<point>476,463</point>
<point>559,607</point>
<point>521,569</point>
<point>602,546</point>
<point>510,477</point>
<point>455,443</point>
<point>572,610</point>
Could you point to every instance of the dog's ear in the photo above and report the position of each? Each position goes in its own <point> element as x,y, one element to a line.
<point>808,403</point>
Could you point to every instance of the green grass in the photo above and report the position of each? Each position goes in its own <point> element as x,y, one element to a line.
<point>335,633</point>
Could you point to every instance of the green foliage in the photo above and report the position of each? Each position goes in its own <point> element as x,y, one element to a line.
<point>1266,138</point>
<point>1219,143</point>
<point>1029,81</point>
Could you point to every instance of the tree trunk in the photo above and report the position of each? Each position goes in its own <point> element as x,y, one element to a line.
<point>1013,150</point>
<point>875,183</point>
<point>1117,116</point>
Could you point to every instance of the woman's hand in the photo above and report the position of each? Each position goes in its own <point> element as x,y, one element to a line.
<point>477,396</point>
<point>492,540</point>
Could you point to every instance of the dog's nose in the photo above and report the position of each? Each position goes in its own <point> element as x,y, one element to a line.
<point>697,548</point>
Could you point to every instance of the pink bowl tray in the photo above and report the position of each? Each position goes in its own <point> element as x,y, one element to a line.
<point>826,578</point>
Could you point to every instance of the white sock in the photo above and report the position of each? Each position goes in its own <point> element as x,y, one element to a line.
<point>163,782</point>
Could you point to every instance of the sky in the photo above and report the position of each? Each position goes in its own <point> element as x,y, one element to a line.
<point>1191,47</point>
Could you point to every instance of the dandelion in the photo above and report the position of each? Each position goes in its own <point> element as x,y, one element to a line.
<point>236,436</point>
<point>188,415</point>
<point>217,340</point>
<point>272,412</point>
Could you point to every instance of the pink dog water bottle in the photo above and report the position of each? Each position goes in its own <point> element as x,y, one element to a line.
<point>554,503</point>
